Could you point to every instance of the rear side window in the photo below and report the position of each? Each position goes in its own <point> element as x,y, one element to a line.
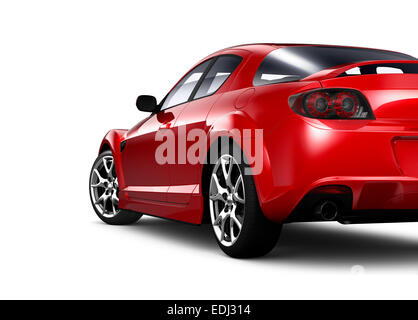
<point>295,63</point>
<point>218,74</point>
<point>382,68</point>
<point>182,91</point>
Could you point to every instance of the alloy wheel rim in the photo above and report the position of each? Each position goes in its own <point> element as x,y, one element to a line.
<point>227,200</point>
<point>104,187</point>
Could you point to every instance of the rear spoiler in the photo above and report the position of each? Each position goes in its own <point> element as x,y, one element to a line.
<point>338,70</point>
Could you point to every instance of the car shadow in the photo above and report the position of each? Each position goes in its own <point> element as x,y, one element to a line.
<point>302,243</point>
<point>317,243</point>
<point>198,236</point>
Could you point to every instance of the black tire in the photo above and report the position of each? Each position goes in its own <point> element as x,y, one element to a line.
<point>122,217</point>
<point>258,235</point>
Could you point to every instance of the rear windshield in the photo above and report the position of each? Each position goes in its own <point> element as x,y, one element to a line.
<point>295,63</point>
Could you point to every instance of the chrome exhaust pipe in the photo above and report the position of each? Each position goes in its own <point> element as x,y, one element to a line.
<point>327,210</point>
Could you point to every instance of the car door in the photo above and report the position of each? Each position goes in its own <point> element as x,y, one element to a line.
<point>144,176</point>
<point>185,176</point>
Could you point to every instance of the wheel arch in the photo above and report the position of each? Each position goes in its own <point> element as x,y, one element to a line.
<point>111,141</point>
<point>105,147</point>
<point>207,170</point>
<point>227,127</point>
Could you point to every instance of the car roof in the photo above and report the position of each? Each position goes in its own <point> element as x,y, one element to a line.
<point>266,47</point>
<point>256,52</point>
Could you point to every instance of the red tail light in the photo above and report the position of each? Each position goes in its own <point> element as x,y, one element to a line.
<point>318,104</point>
<point>331,104</point>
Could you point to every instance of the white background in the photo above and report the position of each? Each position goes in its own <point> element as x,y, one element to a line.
<point>71,70</point>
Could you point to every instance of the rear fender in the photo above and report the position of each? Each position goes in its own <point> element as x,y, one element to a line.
<point>237,126</point>
<point>232,125</point>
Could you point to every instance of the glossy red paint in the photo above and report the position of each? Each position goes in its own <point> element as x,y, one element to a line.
<point>376,159</point>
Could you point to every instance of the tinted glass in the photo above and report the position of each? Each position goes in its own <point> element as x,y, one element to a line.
<point>295,63</point>
<point>181,93</point>
<point>382,68</point>
<point>217,75</point>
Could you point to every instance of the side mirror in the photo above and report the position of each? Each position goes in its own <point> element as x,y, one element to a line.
<point>146,103</point>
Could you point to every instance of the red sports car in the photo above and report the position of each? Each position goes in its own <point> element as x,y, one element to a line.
<point>255,136</point>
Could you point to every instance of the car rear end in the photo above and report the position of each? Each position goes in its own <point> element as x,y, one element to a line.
<point>350,145</point>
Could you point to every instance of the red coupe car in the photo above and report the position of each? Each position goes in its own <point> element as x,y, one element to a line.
<point>255,136</point>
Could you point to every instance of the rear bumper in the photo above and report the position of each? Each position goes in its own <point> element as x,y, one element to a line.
<point>377,160</point>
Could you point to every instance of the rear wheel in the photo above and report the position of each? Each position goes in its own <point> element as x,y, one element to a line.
<point>104,192</point>
<point>240,227</point>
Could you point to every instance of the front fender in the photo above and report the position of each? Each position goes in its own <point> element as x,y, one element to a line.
<point>112,141</point>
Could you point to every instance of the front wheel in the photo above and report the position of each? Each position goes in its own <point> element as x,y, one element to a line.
<point>240,227</point>
<point>104,192</point>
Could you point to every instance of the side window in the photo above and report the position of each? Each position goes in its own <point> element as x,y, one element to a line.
<point>182,91</point>
<point>388,70</point>
<point>217,75</point>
